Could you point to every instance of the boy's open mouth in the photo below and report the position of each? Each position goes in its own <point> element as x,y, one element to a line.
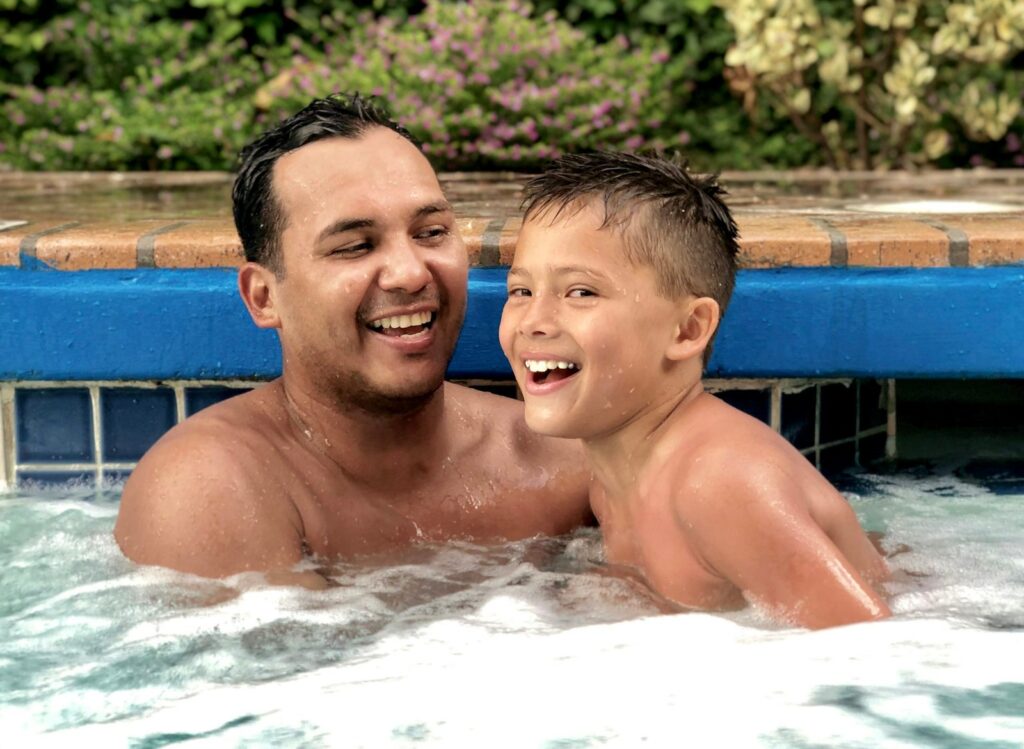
<point>550,370</point>
<point>403,325</point>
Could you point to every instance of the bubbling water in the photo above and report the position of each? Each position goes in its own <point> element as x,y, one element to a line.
<point>524,644</point>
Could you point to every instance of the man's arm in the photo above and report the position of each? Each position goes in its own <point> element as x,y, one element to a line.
<point>196,503</point>
<point>753,529</point>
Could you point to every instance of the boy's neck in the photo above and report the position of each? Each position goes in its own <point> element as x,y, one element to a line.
<point>618,458</point>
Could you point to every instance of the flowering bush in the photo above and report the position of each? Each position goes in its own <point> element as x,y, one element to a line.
<point>486,84</point>
<point>884,82</point>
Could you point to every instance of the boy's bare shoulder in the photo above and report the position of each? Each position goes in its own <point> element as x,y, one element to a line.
<point>728,453</point>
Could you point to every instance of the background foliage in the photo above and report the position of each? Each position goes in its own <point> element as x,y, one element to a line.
<point>183,84</point>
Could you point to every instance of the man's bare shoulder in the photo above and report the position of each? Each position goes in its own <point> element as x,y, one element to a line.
<point>503,419</point>
<point>204,498</point>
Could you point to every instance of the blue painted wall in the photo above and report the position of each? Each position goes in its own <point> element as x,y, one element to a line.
<point>187,324</point>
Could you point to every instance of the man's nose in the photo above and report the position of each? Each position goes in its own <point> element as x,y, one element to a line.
<point>405,268</point>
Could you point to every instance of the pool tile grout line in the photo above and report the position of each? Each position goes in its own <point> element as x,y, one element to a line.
<point>959,244</point>
<point>145,248</point>
<point>490,243</point>
<point>29,243</point>
<point>839,254</point>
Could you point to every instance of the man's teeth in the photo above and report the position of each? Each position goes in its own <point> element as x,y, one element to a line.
<point>403,321</point>
<point>540,365</point>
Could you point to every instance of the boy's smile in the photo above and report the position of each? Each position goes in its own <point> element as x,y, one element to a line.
<point>584,328</point>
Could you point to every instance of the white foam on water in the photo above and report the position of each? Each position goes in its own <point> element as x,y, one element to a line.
<point>522,645</point>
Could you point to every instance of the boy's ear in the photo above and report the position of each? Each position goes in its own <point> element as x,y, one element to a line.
<point>258,286</point>
<point>698,321</point>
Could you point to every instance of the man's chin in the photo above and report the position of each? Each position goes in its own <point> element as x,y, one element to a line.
<point>393,400</point>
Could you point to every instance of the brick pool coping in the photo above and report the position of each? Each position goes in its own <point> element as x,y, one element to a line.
<point>779,232</point>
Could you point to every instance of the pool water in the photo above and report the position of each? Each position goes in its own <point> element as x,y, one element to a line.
<point>522,645</point>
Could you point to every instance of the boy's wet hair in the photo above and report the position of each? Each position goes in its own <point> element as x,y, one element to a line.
<point>670,219</point>
<point>259,217</point>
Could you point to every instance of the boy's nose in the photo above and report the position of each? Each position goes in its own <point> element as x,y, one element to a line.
<point>405,269</point>
<point>538,318</point>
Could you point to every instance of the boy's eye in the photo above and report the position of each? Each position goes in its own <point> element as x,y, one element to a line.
<point>518,291</point>
<point>579,293</point>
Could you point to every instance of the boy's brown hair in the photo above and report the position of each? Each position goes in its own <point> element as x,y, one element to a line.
<point>671,220</point>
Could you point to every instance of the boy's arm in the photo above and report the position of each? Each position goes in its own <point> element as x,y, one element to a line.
<point>754,529</point>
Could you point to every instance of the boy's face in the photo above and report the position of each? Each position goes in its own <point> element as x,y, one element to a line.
<point>584,328</point>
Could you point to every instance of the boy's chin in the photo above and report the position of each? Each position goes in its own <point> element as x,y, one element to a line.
<point>550,425</point>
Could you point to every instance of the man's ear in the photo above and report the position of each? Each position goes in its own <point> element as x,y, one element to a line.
<point>258,286</point>
<point>698,321</point>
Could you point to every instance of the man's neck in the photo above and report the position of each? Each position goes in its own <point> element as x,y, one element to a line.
<point>380,450</point>
<point>618,457</point>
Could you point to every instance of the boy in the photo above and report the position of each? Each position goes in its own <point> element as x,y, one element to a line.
<point>623,268</point>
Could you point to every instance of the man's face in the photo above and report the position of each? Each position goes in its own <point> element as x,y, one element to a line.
<point>584,328</point>
<point>374,285</point>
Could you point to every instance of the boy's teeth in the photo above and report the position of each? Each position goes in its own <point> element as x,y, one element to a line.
<point>402,321</point>
<point>545,365</point>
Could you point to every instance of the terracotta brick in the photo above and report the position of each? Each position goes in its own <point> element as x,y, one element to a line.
<point>10,240</point>
<point>994,240</point>
<point>509,238</point>
<point>94,245</point>
<point>778,240</point>
<point>472,231</point>
<point>212,243</point>
<point>893,242</point>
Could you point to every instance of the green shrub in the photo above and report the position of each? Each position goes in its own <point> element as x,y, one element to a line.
<point>883,82</point>
<point>486,84</point>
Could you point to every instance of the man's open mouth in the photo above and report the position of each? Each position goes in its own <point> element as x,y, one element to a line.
<point>550,370</point>
<point>403,325</point>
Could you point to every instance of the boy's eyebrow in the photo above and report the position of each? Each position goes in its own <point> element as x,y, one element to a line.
<point>348,224</point>
<point>561,270</point>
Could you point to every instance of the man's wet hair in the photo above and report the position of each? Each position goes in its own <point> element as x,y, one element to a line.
<point>259,217</point>
<point>670,219</point>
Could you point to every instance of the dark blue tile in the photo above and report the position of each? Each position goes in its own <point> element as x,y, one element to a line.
<point>838,412</point>
<point>838,458</point>
<point>133,419</point>
<point>54,425</point>
<point>798,417</point>
<point>872,407</point>
<point>55,479</point>
<point>196,399</point>
<point>756,403</point>
<point>872,449</point>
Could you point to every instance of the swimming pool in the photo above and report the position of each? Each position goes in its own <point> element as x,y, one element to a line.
<point>523,645</point>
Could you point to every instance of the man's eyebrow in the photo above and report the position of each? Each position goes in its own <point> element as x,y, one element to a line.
<point>342,225</point>
<point>348,224</point>
<point>441,206</point>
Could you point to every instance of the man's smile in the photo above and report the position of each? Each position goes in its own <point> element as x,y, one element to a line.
<point>406,325</point>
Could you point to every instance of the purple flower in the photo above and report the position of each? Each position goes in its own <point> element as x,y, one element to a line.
<point>38,98</point>
<point>684,138</point>
<point>18,118</point>
<point>634,142</point>
<point>1012,143</point>
<point>158,80</point>
<point>164,152</point>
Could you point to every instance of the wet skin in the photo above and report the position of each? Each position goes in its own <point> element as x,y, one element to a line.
<point>360,447</point>
<point>709,505</point>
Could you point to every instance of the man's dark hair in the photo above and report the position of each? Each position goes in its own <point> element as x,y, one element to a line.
<point>671,220</point>
<point>259,217</point>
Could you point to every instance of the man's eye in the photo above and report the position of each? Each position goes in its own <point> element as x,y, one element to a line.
<point>434,233</point>
<point>352,250</point>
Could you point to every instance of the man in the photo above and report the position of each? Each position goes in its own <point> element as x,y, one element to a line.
<point>360,447</point>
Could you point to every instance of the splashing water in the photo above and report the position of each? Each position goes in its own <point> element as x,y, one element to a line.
<point>520,645</point>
